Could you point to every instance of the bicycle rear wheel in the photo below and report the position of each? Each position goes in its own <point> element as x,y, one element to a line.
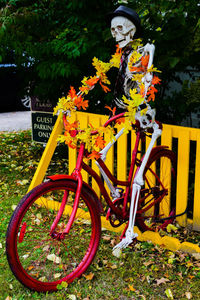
<point>39,260</point>
<point>156,208</point>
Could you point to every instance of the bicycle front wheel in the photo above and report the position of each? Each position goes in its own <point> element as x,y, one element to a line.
<point>156,208</point>
<point>41,260</point>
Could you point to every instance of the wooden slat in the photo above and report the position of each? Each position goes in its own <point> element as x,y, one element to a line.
<point>166,137</point>
<point>165,177</point>
<point>72,152</point>
<point>95,121</point>
<point>182,175</point>
<point>83,119</point>
<point>122,157</point>
<point>133,140</point>
<point>110,154</point>
<point>165,170</point>
<point>151,178</point>
<point>196,211</point>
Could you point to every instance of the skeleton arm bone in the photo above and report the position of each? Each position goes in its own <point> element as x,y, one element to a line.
<point>149,48</point>
<point>147,79</point>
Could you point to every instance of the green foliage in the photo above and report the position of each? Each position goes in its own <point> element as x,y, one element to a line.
<point>63,37</point>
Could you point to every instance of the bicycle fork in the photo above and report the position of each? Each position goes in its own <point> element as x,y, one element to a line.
<point>77,176</point>
<point>138,182</point>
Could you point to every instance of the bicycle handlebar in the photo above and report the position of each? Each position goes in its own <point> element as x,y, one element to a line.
<point>114,118</point>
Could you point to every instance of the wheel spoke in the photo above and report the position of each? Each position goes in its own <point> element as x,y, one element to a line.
<point>154,203</point>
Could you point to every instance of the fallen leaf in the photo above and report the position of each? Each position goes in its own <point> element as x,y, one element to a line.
<point>196,256</point>
<point>113,242</point>
<point>131,288</point>
<point>22,182</point>
<point>169,294</point>
<point>71,297</point>
<point>13,207</point>
<point>188,295</point>
<point>54,258</point>
<point>171,260</point>
<point>106,237</point>
<point>112,266</point>
<point>162,280</point>
<point>148,263</point>
<point>57,275</point>
<point>89,276</point>
<point>43,278</point>
<point>143,278</point>
<point>171,227</point>
<point>105,261</point>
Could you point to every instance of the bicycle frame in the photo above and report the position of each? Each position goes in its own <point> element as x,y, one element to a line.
<point>110,179</point>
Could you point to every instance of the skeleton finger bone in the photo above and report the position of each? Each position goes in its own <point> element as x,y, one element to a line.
<point>149,49</point>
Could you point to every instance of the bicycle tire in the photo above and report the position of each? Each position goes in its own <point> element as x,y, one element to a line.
<point>39,261</point>
<point>156,208</point>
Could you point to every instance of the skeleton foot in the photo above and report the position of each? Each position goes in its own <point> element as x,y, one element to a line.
<point>126,241</point>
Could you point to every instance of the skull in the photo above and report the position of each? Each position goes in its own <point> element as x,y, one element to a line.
<point>123,30</point>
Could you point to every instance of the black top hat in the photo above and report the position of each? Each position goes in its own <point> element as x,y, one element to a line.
<point>129,14</point>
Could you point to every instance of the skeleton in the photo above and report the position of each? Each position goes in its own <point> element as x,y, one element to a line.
<point>123,30</point>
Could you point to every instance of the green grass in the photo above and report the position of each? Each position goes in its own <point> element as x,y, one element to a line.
<point>144,271</point>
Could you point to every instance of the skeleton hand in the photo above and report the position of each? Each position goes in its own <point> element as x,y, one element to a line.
<point>149,49</point>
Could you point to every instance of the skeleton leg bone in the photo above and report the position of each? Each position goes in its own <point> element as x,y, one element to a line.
<point>130,235</point>
<point>138,183</point>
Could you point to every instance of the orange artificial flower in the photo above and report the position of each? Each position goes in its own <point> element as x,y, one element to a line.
<point>156,80</point>
<point>69,126</point>
<point>84,104</point>
<point>104,87</point>
<point>142,90</point>
<point>112,110</point>
<point>94,155</point>
<point>71,145</point>
<point>136,69</point>
<point>84,88</point>
<point>145,61</point>
<point>151,92</point>
<point>92,81</point>
<point>120,120</point>
<point>78,101</point>
<point>72,92</point>
<point>99,142</point>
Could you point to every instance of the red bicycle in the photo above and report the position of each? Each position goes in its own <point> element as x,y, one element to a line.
<point>55,230</point>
